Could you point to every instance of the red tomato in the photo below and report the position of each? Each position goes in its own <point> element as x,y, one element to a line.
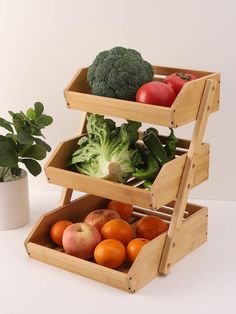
<point>177,80</point>
<point>124,210</point>
<point>149,227</point>
<point>156,93</point>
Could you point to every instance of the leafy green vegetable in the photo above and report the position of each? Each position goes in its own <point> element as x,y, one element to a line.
<point>150,170</point>
<point>155,155</point>
<point>22,144</point>
<point>170,145</point>
<point>108,152</point>
<point>154,144</point>
<point>118,73</point>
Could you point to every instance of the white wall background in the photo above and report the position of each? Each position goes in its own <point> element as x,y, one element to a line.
<point>43,43</point>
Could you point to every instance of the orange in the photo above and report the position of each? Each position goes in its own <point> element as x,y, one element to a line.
<point>57,230</point>
<point>150,227</point>
<point>134,246</point>
<point>117,229</point>
<point>110,253</point>
<point>124,210</point>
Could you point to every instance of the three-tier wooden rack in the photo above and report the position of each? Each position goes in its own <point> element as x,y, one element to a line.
<point>167,197</point>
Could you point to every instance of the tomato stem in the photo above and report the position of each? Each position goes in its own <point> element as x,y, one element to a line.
<point>184,76</point>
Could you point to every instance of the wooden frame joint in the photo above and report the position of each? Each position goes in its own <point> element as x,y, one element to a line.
<point>188,175</point>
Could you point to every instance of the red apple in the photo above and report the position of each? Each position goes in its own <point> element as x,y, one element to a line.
<point>80,239</point>
<point>99,217</point>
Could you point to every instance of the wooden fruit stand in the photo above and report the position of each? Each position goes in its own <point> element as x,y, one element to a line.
<point>167,197</point>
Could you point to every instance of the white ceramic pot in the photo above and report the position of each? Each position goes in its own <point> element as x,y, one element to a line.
<point>14,203</point>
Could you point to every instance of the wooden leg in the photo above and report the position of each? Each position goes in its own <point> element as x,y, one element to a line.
<point>186,181</point>
<point>66,193</point>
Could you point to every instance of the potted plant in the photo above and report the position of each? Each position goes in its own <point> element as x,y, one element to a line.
<point>22,143</point>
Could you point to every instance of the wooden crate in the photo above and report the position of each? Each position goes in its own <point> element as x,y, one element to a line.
<point>163,190</point>
<point>127,277</point>
<point>184,109</point>
<point>167,198</point>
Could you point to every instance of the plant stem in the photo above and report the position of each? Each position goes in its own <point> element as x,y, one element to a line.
<point>2,177</point>
<point>4,172</point>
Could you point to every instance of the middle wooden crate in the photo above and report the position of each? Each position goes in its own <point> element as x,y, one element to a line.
<point>163,190</point>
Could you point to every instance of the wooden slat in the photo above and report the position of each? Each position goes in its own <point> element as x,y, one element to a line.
<point>119,108</point>
<point>163,70</point>
<point>104,188</point>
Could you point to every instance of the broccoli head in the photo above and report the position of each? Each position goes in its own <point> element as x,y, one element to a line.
<point>118,73</point>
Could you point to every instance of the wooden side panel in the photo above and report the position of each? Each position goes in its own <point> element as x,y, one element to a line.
<point>78,266</point>
<point>79,82</point>
<point>187,103</point>
<point>202,165</point>
<point>192,234</point>
<point>60,155</point>
<point>166,185</point>
<point>145,267</point>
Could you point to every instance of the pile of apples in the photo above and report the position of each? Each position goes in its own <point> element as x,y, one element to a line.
<point>106,236</point>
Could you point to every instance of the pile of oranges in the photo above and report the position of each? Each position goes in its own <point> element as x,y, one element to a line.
<point>121,241</point>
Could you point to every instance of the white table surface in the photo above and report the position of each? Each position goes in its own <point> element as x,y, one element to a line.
<point>203,282</point>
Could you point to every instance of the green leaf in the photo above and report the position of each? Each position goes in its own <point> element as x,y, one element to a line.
<point>33,166</point>
<point>6,125</point>
<point>38,133</point>
<point>45,120</point>
<point>24,138</point>
<point>18,121</point>
<point>11,113</point>
<point>8,156</point>
<point>24,116</point>
<point>13,137</point>
<point>36,152</point>
<point>31,114</point>
<point>39,108</point>
<point>42,143</point>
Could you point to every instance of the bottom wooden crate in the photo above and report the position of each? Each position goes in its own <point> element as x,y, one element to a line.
<point>128,277</point>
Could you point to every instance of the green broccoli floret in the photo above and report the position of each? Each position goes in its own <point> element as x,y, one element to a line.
<point>118,73</point>
<point>108,152</point>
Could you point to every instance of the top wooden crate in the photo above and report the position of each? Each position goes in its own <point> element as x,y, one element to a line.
<point>183,110</point>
